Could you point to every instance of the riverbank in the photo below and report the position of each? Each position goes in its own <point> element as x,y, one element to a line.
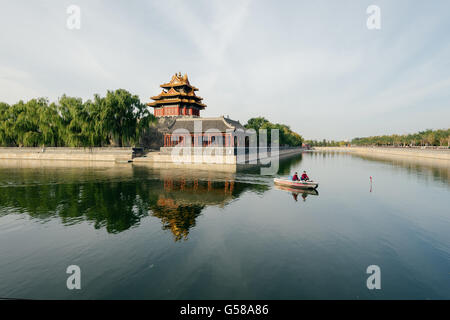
<point>68,154</point>
<point>209,159</point>
<point>436,154</point>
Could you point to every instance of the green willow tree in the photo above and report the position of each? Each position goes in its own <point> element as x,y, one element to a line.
<point>118,119</point>
<point>23,124</point>
<point>75,122</point>
<point>120,112</point>
<point>5,137</point>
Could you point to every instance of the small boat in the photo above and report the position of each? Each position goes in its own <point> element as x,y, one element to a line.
<point>296,184</point>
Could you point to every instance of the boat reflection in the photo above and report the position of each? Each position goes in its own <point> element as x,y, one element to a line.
<point>295,192</point>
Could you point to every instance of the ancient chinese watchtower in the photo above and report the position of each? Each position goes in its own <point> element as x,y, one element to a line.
<point>177,98</point>
<point>177,108</point>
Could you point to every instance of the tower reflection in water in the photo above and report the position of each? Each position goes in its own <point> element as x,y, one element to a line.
<point>182,201</point>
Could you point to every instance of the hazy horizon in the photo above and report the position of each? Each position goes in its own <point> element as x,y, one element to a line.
<point>313,66</point>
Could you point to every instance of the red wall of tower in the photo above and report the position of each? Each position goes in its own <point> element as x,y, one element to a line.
<point>175,111</point>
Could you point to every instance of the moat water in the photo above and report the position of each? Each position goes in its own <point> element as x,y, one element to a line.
<point>141,233</point>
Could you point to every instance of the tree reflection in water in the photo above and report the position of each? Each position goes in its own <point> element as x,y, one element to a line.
<point>116,198</point>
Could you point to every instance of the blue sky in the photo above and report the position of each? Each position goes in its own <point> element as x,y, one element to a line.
<point>313,65</point>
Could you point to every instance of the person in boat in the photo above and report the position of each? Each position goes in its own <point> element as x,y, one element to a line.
<point>295,177</point>
<point>304,176</point>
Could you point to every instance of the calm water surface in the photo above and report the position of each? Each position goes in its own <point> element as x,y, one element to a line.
<point>140,233</point>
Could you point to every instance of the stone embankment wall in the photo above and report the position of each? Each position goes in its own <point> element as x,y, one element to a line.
<point>222,160</point>
<point>68,154</point>
<point>219,159</point>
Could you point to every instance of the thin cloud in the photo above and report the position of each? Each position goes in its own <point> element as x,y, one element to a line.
<point>315,67</point>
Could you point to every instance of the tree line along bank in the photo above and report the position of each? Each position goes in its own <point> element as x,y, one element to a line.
<point>117,119</point>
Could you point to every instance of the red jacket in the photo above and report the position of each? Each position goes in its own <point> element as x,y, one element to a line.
<point>305,176</point>
<point>295,177</point>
